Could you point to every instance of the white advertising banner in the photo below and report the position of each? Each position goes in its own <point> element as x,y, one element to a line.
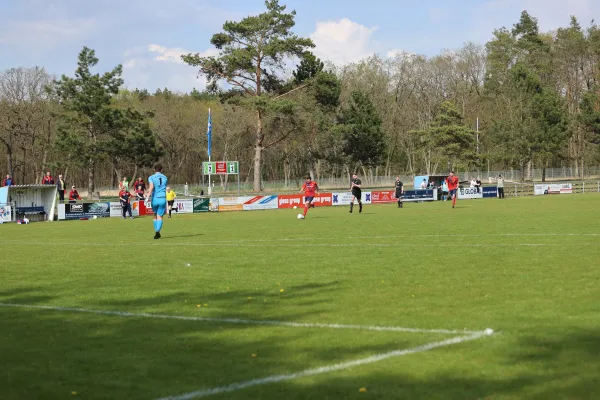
<point>344,198</point>
<point>5,212</point>
<point>260,203</point>
<point>469,193</point>
<point>232,203</point>
<point>117,211</point>
<point>553,188</point>
<point>184,206</point>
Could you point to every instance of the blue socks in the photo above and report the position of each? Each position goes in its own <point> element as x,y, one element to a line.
<point>159,225</point>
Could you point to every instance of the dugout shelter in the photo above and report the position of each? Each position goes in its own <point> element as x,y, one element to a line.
<point>34,202</point>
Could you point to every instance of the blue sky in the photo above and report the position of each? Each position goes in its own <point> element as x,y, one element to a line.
<point>148,36</point>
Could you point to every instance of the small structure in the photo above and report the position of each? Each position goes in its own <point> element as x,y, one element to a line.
<point>34,202</point>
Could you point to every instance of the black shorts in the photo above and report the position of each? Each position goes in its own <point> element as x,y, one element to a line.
<point>398,195</point>
<point>171,202</point>
<point>357,194</point>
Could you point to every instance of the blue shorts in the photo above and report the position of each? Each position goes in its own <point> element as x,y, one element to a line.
<point>453,192</point>
<point>159,206</point>
<point>309,199</point>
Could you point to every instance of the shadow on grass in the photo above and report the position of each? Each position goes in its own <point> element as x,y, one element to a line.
<point>49,354</point>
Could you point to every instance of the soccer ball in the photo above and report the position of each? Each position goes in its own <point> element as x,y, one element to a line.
<point>300,216</point>
<point>95,217</point>
<point>295,207</point>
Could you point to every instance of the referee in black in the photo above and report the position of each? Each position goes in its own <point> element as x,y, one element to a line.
<point>399,191</point>
<point>355,185</point>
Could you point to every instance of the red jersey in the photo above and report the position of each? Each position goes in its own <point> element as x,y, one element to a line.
<point>452,182</point>
<point>309,188</point>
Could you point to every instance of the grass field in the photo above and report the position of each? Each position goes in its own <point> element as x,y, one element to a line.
<point>89,309</point>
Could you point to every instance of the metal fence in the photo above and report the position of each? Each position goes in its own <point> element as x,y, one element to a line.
<point>384,182</point>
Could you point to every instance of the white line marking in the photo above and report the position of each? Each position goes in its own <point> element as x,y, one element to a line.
<point>280,245</point>
<point>322,370</point>
<point>241,321</point>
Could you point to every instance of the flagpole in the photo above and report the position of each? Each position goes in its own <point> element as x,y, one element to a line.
<point>209,134</point>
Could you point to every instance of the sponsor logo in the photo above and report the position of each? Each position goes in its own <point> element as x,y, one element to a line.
<point>76,207</point>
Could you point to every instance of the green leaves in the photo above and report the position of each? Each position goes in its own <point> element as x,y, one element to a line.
<point>92,128</point>
<point>447,139</point>
<point>359,127</point>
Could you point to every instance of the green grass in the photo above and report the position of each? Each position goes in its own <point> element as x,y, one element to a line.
<point>526,267</point>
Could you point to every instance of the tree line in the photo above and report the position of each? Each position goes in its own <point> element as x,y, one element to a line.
<point>523,99</point>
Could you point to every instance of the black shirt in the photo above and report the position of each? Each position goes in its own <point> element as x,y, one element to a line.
<point>125,198</point>
<point>356,182</point>
<point>139,185</point>
<point>399,186</point>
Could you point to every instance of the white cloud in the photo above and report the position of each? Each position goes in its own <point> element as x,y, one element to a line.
<point>174,54</point>
<point>343,41</point>
<point>157,66</point>
<point>399,53</point>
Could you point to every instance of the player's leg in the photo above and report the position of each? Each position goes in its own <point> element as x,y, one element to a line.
<point>360,203</point>
<point>129,211</point>
<point>124,210</point>
<point>351,204</point>
<point>306,204</point>
<point>159,206</point>
<point>453,198</point>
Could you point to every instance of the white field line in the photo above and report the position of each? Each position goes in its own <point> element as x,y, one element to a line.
<point>322,370</point>
<point>303,245</point>
<point>316,238</point>
<point>241,321</point>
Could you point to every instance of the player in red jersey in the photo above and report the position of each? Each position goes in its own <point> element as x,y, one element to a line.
<point>452,182</point>
<point>309,188</point>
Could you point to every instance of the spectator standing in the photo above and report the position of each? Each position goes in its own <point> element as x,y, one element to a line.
<point>139,193</point>
<point>8,181</point>
<point>473,183</point>
<point>61,186</point>
<point>125,197</point>
<point>444,190</point>
<point>478,185</point>
<point>74,195</point>
<point>124,184</point>
<point>424,184</point>
<point>48,179</point>
<point>139,184</point>
<point>500,186</point>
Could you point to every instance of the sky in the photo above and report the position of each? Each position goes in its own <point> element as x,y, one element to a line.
<point>148,36</point>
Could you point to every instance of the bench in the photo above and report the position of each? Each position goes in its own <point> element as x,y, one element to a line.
<point>30,210</point>
<point>34,214</point>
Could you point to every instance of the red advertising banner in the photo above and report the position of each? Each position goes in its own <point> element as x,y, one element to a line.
<point>145,208</point>
<point>221,167</point>
<point>380,197</point>
<point>291,200</point>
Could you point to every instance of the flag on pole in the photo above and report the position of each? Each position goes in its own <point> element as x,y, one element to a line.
<point>209,131</point>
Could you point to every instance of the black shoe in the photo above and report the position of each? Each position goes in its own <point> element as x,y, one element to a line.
<point>360,209</point>
<point>350,211</point>
<point>157,235</point>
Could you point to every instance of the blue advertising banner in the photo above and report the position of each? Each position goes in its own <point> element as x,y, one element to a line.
<point>490,191</point>
<point>87,210</point>
<point>420,195</point>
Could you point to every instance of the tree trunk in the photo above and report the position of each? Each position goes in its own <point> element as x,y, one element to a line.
<point>91,179</point>
<point>258,152</point>
<point>544,173</point>
<point>9,161</point>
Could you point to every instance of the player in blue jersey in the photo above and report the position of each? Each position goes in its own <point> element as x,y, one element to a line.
<point>157,196</point>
